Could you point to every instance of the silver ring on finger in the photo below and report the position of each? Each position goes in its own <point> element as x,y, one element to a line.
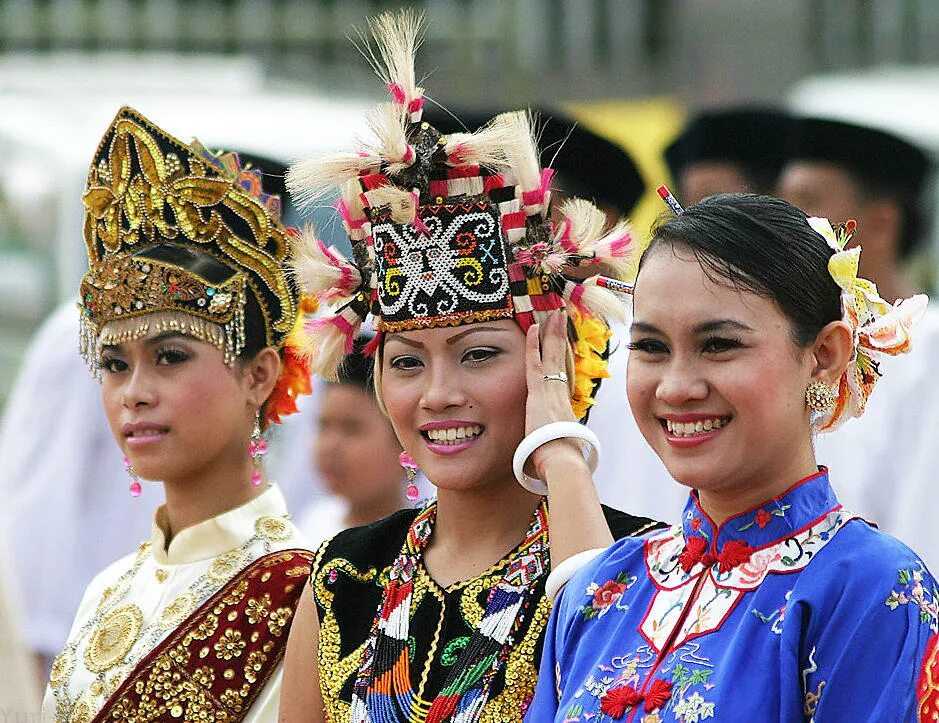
<point>560,377</point>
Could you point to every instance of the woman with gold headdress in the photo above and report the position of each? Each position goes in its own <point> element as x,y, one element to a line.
<point>438,614</point>
<point>187,308</point>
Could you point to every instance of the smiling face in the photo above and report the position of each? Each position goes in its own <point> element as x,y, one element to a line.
<point>456,397</point>
<point>173,405</point>
<point>716,382</point>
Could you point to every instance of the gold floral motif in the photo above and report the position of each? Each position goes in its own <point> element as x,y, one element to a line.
<point>258,608</point>
<point>206,628</point>
<point>83,710</point>
<point>230,645</point>
<point>62,668</point>
<point>204,676</point>
<point>105,597</point>
<point>178,610</point>
<point>225,567</point>
<point>117,677</point>
<point>235,596</point>
<point>253,665</point>
<point>113,638</point>
<point>232,699</point>
<point>273,529</point>
<point>278,620</point>
<point>161,692</point>
<point>181,655</point>
<point>126,286</point>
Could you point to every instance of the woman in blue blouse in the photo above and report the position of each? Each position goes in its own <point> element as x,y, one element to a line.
<point>751,331</point>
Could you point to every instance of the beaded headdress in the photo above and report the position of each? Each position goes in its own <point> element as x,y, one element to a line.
<point>179,238</point>
<point>447,229</point>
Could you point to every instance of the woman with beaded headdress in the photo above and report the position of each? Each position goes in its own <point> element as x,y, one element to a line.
<point>438,614</point>
<point>769,601</point>
<point>189,312</point>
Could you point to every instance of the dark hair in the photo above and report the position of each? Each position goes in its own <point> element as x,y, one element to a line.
<point>761,245</point>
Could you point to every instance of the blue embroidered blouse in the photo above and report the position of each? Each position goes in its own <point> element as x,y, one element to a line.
<point>793,611</point>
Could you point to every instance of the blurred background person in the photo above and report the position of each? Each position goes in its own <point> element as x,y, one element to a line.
<point>63,475</point>
<point>356,454</point>
<point>727,151</point>
<point>844,170</point>
<point>19,693</point>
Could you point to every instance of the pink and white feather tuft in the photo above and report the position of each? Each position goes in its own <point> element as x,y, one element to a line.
<point>324,272</point>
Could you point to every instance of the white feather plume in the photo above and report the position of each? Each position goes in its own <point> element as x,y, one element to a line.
<point>520,148</point>
<point>586,221</point>
<point>401,203</point>
<point>602,302</point>
<point>312,179</point>
<point>397,36</point>
<point>486,147</point>
<point>322,272</point>
<point>388,123</point>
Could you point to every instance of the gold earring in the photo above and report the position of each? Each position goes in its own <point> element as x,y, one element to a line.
<point>820,396</point>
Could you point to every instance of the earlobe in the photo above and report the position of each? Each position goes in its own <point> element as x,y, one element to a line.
<point>262,374</point>
<point>833,351</point>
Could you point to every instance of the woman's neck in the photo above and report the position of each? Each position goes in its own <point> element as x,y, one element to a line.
<point>723,503</point>
<point>475,529</point>
<point>208,493</point>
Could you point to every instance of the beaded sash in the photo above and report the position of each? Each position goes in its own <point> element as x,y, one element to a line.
<point>214,665</point>
<point>383,692</point>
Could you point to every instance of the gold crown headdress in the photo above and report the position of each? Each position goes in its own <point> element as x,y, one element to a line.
<point>448,229</point>
<point>175,231</point>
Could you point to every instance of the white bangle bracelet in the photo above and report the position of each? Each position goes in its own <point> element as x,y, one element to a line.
<point>549,433</point>
<point>561,574</point>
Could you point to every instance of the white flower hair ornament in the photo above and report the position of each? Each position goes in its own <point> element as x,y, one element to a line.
<point>878,327</point>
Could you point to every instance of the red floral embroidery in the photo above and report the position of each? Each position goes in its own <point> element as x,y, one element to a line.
<point>616,701</point>
<point>762,518</point>
<point>608,594</point>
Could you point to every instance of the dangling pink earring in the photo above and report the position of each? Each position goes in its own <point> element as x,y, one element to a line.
<point>257,448</point>
<point>410,469</point>
<point>135,488</point>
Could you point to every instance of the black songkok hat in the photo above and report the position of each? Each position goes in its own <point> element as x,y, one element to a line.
<point>755,138</point>
<point>590,166</point>
<point>873,157</point>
